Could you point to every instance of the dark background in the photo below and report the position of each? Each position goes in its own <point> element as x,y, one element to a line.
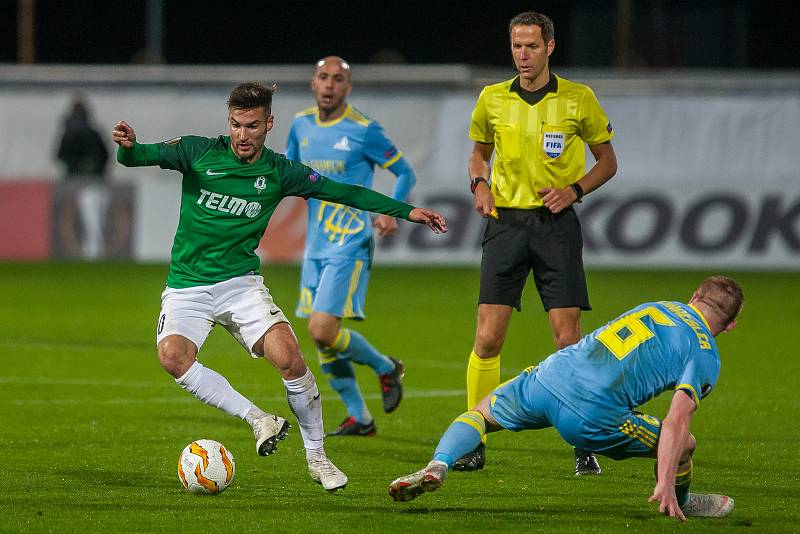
<point>663,34</point>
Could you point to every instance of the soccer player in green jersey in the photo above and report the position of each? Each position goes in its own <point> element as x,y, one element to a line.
<point>231,186</point>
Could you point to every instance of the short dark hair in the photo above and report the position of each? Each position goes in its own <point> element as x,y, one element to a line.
<point>251,95</point>
<point>723,295</point>
<point>532,18</point>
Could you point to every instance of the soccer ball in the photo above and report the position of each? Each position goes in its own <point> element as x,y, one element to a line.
<point>206,466</point>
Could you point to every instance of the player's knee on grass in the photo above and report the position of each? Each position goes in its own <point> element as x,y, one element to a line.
<point>176,354</point>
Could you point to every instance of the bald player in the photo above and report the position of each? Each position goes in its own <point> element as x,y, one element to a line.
<point>339,141</point>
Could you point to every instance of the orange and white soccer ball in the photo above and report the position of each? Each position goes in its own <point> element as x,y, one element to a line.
<point>206,466</point>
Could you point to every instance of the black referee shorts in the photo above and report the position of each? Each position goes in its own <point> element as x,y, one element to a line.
<point>551,245</point>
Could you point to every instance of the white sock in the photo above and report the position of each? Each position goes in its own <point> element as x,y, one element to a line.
<point>213,389</point>
<point>303,397</point>
<point>315,454</point>
<point>254,413</point>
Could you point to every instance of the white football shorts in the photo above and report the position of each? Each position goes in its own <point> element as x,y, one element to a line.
<point>242,305</point>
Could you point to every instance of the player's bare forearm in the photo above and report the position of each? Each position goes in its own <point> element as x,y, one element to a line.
<point>478,166</point>
<point>671,442</point>
<point>673,436</point>
<point>671,445</point>
<point>604,168</point>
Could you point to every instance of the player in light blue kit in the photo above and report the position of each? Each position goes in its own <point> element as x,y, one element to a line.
<point>589,392</point>
<point>335,139</point>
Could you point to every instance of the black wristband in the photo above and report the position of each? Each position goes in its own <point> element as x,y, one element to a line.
<point>475,181</point>
<point>578,191</point>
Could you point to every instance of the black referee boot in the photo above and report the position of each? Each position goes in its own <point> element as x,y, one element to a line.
<point>473,460</point>
<point>586,463</point>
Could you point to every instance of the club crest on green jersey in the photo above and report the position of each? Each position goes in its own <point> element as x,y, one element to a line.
<point>260,183</point>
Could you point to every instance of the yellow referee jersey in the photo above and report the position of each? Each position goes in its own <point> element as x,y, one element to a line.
<point>540,145</point>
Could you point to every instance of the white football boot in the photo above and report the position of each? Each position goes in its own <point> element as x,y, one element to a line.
<point>268,429</point>
<point>707,505</point>
<point>322,471</point>
<point>412,486</point>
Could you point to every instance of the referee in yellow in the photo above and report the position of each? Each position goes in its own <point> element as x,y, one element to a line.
<point>536,125</point>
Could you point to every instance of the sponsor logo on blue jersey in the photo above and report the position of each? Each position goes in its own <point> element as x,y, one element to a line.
<point>342,144</point>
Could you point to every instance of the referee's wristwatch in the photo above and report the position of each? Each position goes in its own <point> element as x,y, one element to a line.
<point>578,190</point>
<point>475,181</point>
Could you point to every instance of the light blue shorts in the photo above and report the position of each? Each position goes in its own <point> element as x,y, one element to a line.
<point>524,404</point>
<point>337,286</point>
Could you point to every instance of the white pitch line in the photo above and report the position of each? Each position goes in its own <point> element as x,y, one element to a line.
<point>159,383</point>
<point>46,381</point>
<point>77,345</point>
<point>421,364</point>
<point>329,397</point>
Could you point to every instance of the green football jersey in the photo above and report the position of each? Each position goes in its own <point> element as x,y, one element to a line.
<point>226,204</point>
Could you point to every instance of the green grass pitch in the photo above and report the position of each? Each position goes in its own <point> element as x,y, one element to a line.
<point>91,427</point>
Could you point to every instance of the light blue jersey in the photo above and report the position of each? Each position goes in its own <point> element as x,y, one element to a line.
<point>654,347</point>
<point>346,150</point>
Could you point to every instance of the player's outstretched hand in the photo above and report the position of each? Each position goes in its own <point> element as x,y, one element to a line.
<point>385,225</point>
<point>668,502</point>
<point>123,134</point>
<point>430,218</point>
